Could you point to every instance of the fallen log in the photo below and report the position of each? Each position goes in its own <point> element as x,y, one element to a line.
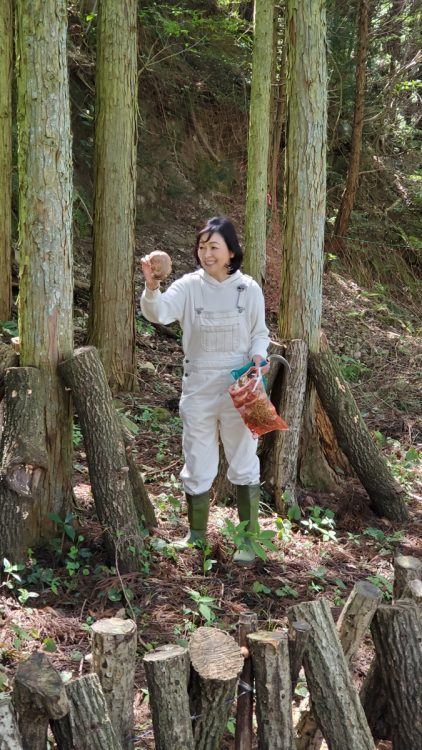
<point>333,696</point>
<point>248,623</point>
<point>354,621</point>
<point>216,662</point>
<point>113,659</point>
<point>108,470</point>
<point>10,738</point>
<point>87,726</point>
<point>397,634</point>
<point>385,494</point>
<point>38,695</point>
<point>270,658</point>
<point>143,505</point>
<point>167,672</point>
<point>24,463</point>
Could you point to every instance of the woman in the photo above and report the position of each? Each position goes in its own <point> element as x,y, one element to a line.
<point>222,314</point>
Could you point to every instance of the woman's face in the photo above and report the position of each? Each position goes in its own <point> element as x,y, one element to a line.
<point>214,255</point>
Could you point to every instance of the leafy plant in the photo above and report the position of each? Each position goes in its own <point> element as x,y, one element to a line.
<point>385,586</point>
<point>351,369</point>
<point>320,522</point>
<point>205,607</point>
<point>243,539</point>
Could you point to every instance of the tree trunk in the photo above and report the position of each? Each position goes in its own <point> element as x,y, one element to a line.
<point>413,591</point>
<point>304,216</point>
<point>111,326</point>
<point>167,672</point>
<point>38,695</point>
<point>348,198</point>
<point>24,462</point>
<point>386,496</point>
<point>216,662</point>
<point>334,699</point>
<point>353,623</point>
<point>8,358</point>
<point>258,142</point>
<point>113,660</point>
<point>106,455</point>
<point>406,569</point>
<point>6,47</point>
<point>397,633</point>
<point>45,231</point>
<point>270,658</point>
<point>87,726</point>
<point>10,738</point>
<point>248,623</point>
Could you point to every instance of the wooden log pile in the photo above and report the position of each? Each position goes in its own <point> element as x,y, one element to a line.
<point>194,689</point>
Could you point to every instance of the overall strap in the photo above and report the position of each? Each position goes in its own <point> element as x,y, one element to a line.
<point>198,293</point>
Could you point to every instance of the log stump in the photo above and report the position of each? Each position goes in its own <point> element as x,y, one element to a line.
<point>298,639</point>
<point>8,358</point>
<point>106,455</point>
<point>406,568</point>
<point>397,633</point>
<point>270,658</point>
<point>385,494</point>
<point>10,738</point>
<point>248,623</point>
<point>167,671</point>
<point>38,695</point>
<point>335,702</point>
<point>114,644</point>
<point>87,726</point>
<point>216,662</point>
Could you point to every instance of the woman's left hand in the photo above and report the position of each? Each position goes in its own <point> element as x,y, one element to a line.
<point>257,359</point>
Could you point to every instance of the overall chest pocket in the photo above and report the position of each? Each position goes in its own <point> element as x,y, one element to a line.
<point>220,334</point>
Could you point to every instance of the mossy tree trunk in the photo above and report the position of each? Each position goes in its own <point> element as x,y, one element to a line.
<point>303,241</point>
<point>6,46</point>
<point>258,142</point>
<point>111,326</point>
<point>45,232</point>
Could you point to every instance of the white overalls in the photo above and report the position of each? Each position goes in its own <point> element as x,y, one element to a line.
<point>206,407</point>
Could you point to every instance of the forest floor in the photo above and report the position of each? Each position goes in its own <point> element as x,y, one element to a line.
<point>336,541</point>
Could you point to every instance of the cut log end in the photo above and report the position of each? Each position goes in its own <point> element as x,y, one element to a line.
<point>215,655</point>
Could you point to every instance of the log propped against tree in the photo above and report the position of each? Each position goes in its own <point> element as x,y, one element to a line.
<point>23,462</point>
<point>385,494</point>
<point>106,455</point>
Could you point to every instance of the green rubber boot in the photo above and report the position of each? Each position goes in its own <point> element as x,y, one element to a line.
<point>198,512</point>
<point>248,508</point>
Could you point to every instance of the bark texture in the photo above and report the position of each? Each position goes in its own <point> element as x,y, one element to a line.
<point>334,699</point>
<point>111,325</point>
<point>386,496</point>
<point>45,229</point>
<point>6,47</point>
<point>270,658</point>
<point>24,462</point>
<point>397,634</point>
<point>87,726</point>
<point>38,695</point>
<point>216,662</point>
<point>109,473</point>
<point>258,142</point>
<point>248,623</point>
<point>143,505</point>
<point>10,738</point>
<point>167,672</point>
<point>348,198</point>
<point>298,639</point>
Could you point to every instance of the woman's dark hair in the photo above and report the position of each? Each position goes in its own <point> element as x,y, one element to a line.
<point>224,227</point>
